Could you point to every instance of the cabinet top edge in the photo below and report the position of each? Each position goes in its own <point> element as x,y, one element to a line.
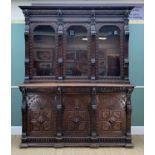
<point>90,6</point>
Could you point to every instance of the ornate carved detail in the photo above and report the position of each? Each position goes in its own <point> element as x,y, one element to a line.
<point>41,120</point>
<point>126,30</point>
<point>111,113</point>
<point>76,115</point>
<point>126,26</point>
<point>93,112</point>
<point>41,115</point>
<point>93,18</point>
<point>128,113</point>
<point>60,23</point>
<point>26,13</point>
<point>59,112</point>
<point>111,120</point>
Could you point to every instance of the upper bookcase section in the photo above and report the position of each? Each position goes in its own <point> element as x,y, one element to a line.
<point>76,42</point>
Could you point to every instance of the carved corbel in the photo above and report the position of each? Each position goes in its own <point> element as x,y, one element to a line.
<point>27,16</point>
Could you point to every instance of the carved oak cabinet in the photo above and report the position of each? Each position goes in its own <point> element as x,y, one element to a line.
<point>76,90</point>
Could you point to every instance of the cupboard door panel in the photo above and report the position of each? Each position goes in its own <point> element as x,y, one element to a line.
<point>41,115</point>
<point>76,119</point>
<point>111,114</point>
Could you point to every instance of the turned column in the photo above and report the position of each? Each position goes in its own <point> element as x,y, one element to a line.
<point>59,109</point>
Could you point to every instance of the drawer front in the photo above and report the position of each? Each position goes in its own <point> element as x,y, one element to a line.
<point>111,114</point>
<point>41,114</point>
<point>76,116</point>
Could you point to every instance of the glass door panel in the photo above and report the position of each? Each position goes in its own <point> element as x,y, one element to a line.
<point>76,54</point>
<point>43,50</point>
<point>43,62</point>
<point>109,51</point>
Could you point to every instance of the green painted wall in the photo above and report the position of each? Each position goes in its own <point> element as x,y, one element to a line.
<point>136,59</point>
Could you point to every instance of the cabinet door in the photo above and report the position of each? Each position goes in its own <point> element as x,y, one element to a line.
<point>109,52</point>
<point>41,115</point>
<point>76,54</point>
<point>76,119</point>
<point>43,51</point>
<point>111,114</point>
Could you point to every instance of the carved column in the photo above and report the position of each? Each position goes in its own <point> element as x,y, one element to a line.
<point>128,118</point>
<point>60,45</point>
<point>93,114</point>
<point>24,116</point>
<point>93,46</point>
<point>125,47</point>
<point>59,109</point>
<point>28,72</point>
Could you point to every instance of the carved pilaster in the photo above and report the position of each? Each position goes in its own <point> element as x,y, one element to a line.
<point>126,27</point>
<point>93,45</point>
<point>125,54</point>
<point>24,111</point>
<point>27,44</point>
<point>60,45</point>
<point>93,28</point>
<point>128,118</point>
<point>59,108</point>
<point>93,112</point>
